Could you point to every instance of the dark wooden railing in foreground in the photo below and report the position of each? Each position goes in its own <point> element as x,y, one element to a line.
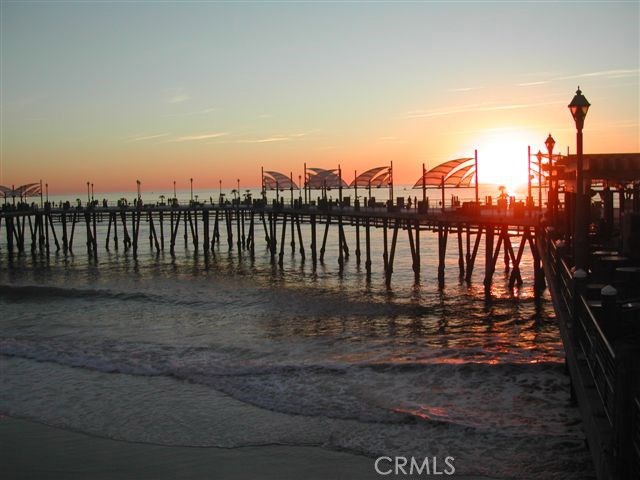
<point>605,372</point>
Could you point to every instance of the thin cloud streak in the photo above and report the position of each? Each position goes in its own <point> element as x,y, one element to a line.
<point>531,84</point>
<point>205,136</point>
<point>179,98</point>
<point>618,73</point>
<point>478,107</point>
<point>147,137</point>
<point>204,111</point>
<point>267,140</point>
<point>464,89</point>
<point>604,73</point>
<point>279,138</point>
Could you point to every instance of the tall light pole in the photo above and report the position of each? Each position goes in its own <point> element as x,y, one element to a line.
<point>539,157</point>
<point>88,193</point>
<point>306,185</point>
<point>220,191</point>
<point>191,186</point>
<point>138,183</point>
<point>174,190</point>
<point>424,185</point>
<point>579,107</point>
<point>475,160</point>
<point>529,197</point>
<point>391,183</point>
<point>553,196</point>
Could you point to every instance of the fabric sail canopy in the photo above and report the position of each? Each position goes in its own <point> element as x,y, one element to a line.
<point>27,190</point>
<point>374,177</point>
<point>456,173</point>
<point>276,180</point>
<point>456,177</point>
<point>321,178</point>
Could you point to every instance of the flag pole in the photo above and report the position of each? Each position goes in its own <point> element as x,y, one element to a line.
<point>476,164</point>
<point>391,183</point>
<point>306,201</point>
<point>355,186</point>
<point>424,184</point>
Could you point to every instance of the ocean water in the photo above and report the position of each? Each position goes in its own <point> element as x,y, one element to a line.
<point>233,352</point>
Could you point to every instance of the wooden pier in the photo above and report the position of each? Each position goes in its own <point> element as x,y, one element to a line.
<point>211,228</point>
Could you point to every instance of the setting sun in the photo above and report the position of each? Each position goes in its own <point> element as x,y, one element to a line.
<point>502,154</point>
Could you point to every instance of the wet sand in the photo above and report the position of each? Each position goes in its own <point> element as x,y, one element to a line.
<point>33,450</point>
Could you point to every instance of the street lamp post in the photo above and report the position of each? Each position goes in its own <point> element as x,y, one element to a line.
<point>579,107</point>
<point>391,183</point>
<point>174,191</point>
<point>424,185</point>
<point>88,193</point>
<point>306,185</point>
<point>220,191</point>
<point>529,197</point>
<point>191,187</point>
<point>553,196</point>
<point>138,183</point>
<point>539,157</point>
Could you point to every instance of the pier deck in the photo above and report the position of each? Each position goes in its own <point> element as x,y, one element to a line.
<point>203,224</point>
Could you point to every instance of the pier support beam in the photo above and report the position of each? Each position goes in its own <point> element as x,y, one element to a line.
<point>392,254</point>
<point>324,238</point>
<point>367,234</point>
<point>314,256</point>
<point>488,256</point>
<point>472,258</point>
<point>443,233</point>
<point>284,231</point>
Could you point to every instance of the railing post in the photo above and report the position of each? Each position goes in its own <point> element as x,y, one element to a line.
<point>579,288</point>
<point>627,372</point>
<point>609,296</point>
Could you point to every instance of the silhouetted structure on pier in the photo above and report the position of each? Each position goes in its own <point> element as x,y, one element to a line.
<point>239,224</point>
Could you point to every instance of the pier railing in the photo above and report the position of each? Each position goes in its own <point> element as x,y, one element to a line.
<point>599,355</point>
<point>636,437</point>
<point>611,366</point>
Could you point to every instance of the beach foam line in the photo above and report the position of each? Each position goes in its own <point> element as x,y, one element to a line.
<point>365,392</point>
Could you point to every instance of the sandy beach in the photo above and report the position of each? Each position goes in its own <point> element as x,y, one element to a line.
<point>33,450</point>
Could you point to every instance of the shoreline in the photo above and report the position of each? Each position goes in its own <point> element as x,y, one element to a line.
<point>29,449</point>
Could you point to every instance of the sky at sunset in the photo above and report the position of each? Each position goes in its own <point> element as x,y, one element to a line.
<point>112,91</point>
